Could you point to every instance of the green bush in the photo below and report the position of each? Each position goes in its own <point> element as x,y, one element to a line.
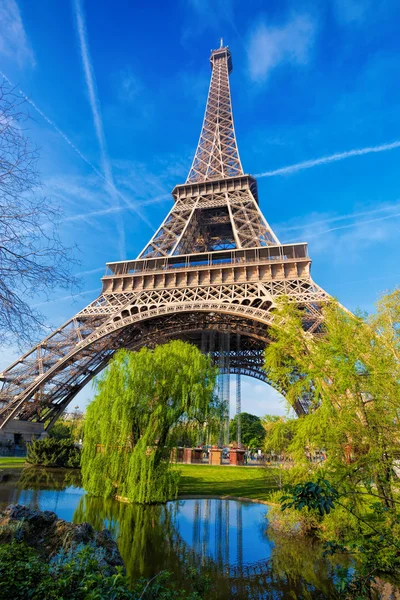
<point>51,452</point>
<point>76,575</point>
<point>290,521</point>
<point>61,431</point>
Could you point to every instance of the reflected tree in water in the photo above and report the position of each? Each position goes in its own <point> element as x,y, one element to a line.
<point>150,540</point>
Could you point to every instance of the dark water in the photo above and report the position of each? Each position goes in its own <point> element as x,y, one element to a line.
<point>227,541</point>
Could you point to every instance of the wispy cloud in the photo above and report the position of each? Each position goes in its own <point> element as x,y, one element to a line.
<point>324,160</point>
<point>97,119</point>
<point>349,242</point>
<point>208,14</point>
<point>386,208</point>
<point>271,46</point>
<point>14,43</point>
<point>113,209</point>
<point>348,12</point>
<point>129,84</point>
<point>352,225</point>
<point>71,297</point>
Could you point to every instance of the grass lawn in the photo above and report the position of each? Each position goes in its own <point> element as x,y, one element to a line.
<point>246,482</point>
<point>7,462</point>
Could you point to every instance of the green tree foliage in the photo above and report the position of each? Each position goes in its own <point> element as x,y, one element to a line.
<point>141,400</point>
<point>148,539</point>
<point>279,433</point>
<point>68,430</point>
<point>252,430</point>
<point>61,431</point>
<point>374,535</point>
<point>52,452</point>
<point>351,376</point>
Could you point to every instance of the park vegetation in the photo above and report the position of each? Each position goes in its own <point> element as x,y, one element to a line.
<point>77,574</point>
<point>52,452</point>
<point>143,402</point>
<point>252,431</point>
<point>344,485</point>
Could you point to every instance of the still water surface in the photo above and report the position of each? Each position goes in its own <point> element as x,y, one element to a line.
<point>225,540</point>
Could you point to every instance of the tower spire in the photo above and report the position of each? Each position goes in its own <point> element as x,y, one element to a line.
<point>217,154</point>
<point>214,266</point>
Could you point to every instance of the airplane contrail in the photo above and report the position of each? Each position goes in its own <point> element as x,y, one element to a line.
<point>113,209</point>
<point>340,218</point>
<point>50,122</point>
<point>311,235</point>
<point>308,164</point>
<point>46,118</point>
<point>68,297</point>
<point>90,272</point>
<point>74,147</point>
<point>97,119</point>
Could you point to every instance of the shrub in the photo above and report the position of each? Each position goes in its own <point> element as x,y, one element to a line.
<point>51,452</point>
<point>290,521</point>
<point>77,575</point>
<point>61,431</point>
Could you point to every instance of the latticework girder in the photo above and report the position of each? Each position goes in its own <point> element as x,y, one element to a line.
<point>213,269</point>
<point>217,155</point>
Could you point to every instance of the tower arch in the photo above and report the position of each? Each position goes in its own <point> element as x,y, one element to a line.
<point>213,265</point>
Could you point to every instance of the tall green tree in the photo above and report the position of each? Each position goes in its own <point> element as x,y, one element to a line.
<point>279,433</point>
<point>252,430</point>
<point>142,400</point>
<point>351,375</point>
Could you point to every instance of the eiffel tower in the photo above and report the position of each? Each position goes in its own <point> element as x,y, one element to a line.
<point>210,275</point>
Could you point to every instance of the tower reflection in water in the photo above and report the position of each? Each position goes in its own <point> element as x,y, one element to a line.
<point>226,542</point>
<point>214,530</point>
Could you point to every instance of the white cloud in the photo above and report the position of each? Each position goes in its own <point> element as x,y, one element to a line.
<point>350,11</point>
<point>272,46</point>
<point>14,42</point>
<point>130,85</point>
<point>348,243</point>
<point>202,15</point>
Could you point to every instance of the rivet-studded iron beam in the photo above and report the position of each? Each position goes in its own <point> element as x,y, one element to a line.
<point>214,268</point>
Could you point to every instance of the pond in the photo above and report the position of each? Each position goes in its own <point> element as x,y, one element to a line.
<point>228,542</point>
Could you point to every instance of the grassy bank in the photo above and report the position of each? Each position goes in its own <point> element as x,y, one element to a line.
<point>242,482</point>
<point>8,462</point>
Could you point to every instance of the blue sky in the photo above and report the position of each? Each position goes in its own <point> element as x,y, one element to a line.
<point>121,88</point>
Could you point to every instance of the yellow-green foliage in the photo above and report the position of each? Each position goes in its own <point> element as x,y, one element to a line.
<point>129,429</point>
<point>290,521</point>
<point>351,376</point>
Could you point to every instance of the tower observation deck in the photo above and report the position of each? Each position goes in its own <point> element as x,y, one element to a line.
<point>211,275</point>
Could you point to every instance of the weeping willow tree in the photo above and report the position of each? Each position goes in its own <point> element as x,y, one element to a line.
<point>141,400</point>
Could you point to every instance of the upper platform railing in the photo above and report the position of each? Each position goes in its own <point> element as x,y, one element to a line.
<point>285,252</point>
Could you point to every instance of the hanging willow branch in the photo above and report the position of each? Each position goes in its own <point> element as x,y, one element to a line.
<point>141,399</point>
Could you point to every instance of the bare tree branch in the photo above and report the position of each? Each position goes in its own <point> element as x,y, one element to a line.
<point>33,259</point>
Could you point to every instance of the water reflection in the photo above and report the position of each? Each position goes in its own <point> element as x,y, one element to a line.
<point>45,489</point>
<point>227,542</point>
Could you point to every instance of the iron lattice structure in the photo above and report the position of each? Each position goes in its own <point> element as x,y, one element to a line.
<point>214,267</point>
